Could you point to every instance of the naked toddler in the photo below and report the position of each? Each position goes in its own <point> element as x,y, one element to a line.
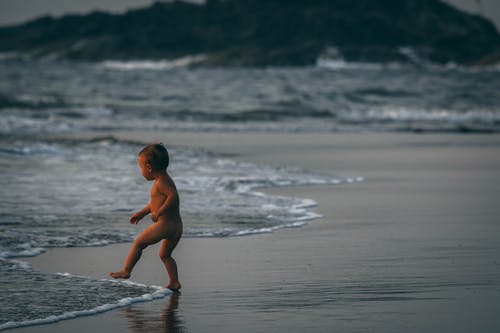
<point>164,209</point>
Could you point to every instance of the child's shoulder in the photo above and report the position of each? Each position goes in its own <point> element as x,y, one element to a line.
<point>166,181</point>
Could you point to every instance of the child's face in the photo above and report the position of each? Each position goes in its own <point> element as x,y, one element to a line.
<point>146,169</point>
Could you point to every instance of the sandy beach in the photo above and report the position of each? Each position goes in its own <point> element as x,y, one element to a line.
<point>415,247</point>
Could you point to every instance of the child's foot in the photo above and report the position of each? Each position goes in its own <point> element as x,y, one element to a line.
<point>119,275</point>
<point>174,286</point>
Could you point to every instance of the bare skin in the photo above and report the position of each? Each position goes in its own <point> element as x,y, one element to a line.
<point>167,226</point>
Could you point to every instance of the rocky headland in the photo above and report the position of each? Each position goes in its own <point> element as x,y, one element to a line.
<point>265,33</point>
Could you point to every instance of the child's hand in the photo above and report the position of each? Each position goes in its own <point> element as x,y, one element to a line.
<point>154,216</point>
<point>136,217</point>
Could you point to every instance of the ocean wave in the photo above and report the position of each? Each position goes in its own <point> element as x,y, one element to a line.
<point>271,114</point>
<point>380,91</point>
<point>377,117</point>
<point>333,59</point>
<point>372,114</point>
<point>24,101</point>
<point>17,123</point>
<point>410,58</point>
<point>341,64</point>
<point>425,119</point>
<point>154,64</point>
<point>35,149</point>
<point>66,98</point>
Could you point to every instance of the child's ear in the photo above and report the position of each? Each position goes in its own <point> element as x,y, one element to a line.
<point>149,167</point>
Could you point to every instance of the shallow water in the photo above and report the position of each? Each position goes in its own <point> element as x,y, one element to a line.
<point>81,193</point>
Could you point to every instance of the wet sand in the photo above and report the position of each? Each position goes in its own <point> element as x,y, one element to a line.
<point>413,248</point>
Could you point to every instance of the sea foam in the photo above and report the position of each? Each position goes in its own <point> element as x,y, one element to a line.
<point>159,292</point>
<point>154,64</point>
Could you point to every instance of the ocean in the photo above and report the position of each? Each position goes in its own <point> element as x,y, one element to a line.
<point>61,188</point>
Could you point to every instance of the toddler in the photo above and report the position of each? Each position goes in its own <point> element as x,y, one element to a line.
<point>164,210</point>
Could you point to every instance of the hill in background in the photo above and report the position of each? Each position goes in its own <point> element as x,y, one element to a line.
<point>265,32</point>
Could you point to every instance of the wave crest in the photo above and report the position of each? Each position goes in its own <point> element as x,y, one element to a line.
<point>154,65</point>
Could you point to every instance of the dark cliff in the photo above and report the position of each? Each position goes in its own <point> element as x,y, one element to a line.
<point>265,32</point>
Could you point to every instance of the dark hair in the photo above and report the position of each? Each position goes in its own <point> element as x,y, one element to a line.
<point>157,155</point>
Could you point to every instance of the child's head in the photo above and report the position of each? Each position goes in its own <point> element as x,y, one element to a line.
<point>156,155</point>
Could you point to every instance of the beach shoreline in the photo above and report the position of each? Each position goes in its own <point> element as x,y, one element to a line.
<point>412,248</point>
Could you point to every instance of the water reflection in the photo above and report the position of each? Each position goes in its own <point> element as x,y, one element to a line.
<point>143,319</point>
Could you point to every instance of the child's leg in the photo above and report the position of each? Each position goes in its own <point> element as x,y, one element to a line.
<point>166,248</point>
<point>151,235</point>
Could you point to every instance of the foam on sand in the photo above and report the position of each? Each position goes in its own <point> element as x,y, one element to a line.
<point>159,292</point>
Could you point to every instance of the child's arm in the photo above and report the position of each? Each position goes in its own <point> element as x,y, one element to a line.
<point>172,200</point>
<point>136,217</point>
